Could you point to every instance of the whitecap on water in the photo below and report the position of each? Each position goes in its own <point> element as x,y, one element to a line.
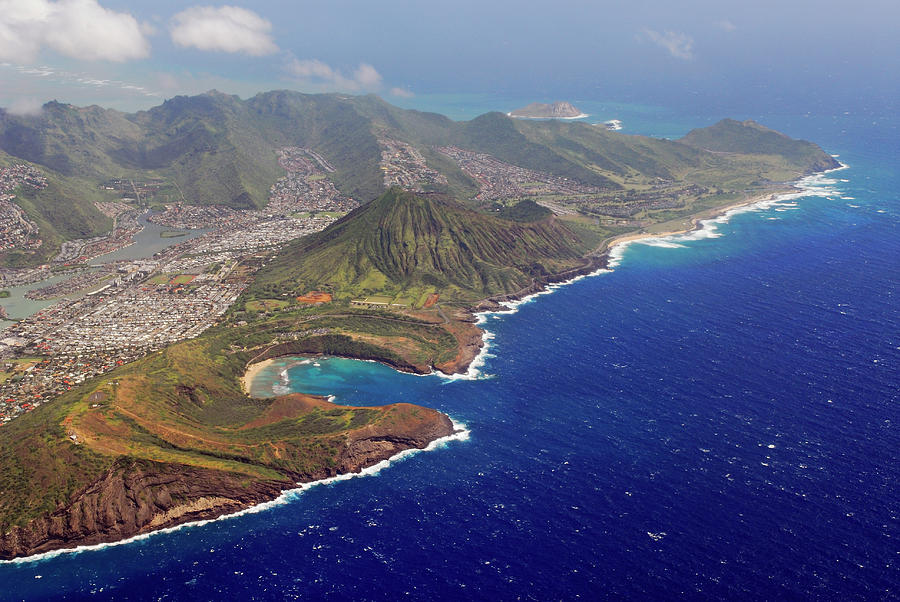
<point>660,242</point>
<point>510,307</point>
<point>815,185</point>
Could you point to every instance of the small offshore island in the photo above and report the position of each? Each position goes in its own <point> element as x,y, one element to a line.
<point>556,110</point>
<point>458,218</point>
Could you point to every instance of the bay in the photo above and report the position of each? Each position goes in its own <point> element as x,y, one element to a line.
<point>715,418</point>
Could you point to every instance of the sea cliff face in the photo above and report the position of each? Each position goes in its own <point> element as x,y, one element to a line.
<point>135,497</point>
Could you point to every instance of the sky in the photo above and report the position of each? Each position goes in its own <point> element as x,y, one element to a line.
<point>820,54</point>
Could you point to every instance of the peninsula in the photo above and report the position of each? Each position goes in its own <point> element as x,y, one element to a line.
<point>377,235</point>
<point>556,110</point>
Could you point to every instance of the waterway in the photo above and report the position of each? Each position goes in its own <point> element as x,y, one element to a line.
<point>146,242</point>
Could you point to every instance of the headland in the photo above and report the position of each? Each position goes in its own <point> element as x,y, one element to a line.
<point>465,217</point>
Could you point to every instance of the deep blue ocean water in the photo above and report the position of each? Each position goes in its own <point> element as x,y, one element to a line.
<point>715,418</point>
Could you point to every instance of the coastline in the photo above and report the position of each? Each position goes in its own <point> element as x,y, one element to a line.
<point>602,260</point>
<point>251,372</point>
<point>579,116</point>
<point>460,432</point>
<point>606,258</point>
<point>698,219</point>
<point>608,254</point>
<point>599,262</point>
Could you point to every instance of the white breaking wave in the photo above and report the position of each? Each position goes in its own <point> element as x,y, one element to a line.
<point>511,307</point>
<point>281,389</point>
<point>660,242</point>
<point>815,185</point>
<point>461,433</point>
<point>473,372</point>
<point>818,185</point>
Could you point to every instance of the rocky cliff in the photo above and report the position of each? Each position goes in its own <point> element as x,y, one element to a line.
<point>140,496</point>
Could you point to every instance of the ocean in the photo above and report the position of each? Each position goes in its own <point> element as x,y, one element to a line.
<point>714,418</point>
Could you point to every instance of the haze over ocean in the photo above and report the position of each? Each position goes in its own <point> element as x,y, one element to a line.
<point>716,418</point>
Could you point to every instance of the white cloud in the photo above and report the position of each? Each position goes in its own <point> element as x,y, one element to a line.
<point>314,71</point>
<point>223,29</point>
<point>311,68</point>
<point>366,76</point>
<point>725,25</point>
<point>26,107</point>
<point>401,93</point>
<point>80,29</point>
<point>168,82</point>
<point>680,45</point>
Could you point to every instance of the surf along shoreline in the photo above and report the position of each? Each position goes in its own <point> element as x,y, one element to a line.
<point>285,496</point>
<point>601,260</point>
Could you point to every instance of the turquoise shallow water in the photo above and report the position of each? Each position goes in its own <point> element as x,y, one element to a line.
<point>715,418</point>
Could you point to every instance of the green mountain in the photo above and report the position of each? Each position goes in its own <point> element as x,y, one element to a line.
<point>402,242</point>
<point>751,138</point>
<point>173,437</point>
<point>216,148</point>
<point>62,211</point>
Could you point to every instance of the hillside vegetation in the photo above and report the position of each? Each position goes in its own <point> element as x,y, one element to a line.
<point>173,436</point>
<point>218,149</point>
<point>402,241</point>
<point>751,138</point>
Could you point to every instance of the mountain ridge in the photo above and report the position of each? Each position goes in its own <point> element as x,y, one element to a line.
<point>216,148</point>
<point>401,241</point>
<point>173,437</point>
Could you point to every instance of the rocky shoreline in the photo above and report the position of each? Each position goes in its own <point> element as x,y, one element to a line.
<point>538,285</point>
<point>137,497</point>
<point>469,348</point>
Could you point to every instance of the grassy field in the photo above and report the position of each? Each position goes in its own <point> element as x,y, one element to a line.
<point>184,405</point>
<point>17,366</point>
<point>266,305</point>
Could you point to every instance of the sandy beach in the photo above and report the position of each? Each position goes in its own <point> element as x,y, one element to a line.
<point>473,349</point>
<point>579,116</point>
<point>695,221</point>
<point>252,371</point>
